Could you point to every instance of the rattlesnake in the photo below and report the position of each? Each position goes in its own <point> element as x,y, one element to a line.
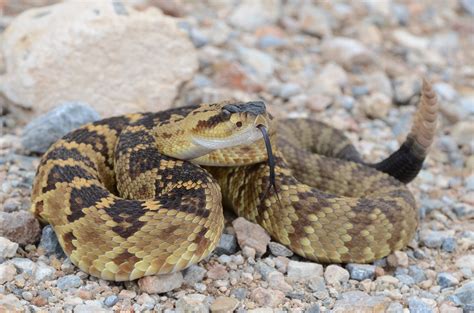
<point>126,197</point>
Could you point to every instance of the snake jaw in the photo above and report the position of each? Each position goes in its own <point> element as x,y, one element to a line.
<point>246,137</point>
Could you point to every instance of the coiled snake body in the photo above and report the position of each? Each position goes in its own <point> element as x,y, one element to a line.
<point>141,194</point>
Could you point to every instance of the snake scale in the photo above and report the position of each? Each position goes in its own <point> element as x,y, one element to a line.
<point>143,194</point>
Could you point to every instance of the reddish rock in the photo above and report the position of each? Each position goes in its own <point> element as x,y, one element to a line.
<point>20,227</point>
<point>251,235</point>
<point>217,271</point>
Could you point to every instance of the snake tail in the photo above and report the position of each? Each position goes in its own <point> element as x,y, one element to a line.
<point>405,163</point>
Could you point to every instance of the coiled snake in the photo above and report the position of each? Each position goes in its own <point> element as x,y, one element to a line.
<point>141,194</point>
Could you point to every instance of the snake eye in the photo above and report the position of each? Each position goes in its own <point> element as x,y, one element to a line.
<point>238,124</point>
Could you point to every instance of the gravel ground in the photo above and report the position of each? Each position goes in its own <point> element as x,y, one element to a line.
<point>357,65</point>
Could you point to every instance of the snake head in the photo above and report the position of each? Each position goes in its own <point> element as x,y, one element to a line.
<point>228,124</point>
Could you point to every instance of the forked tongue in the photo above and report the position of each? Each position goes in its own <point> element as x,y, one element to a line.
<point>271,162</point>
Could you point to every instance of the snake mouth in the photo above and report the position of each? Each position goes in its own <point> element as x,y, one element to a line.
<point>244,137</point>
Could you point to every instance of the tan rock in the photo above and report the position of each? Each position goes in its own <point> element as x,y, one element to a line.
<point>376,105</point>
<point>224,305</point>
<point>7,272</point>
<point>160,283</point>
<point>398,258</point>
<point>251,235</point>
<point>358,301</point>
<point>267,297</point>
<point>104,53</point>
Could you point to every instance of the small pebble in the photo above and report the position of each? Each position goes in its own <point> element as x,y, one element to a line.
<point>110,301</point>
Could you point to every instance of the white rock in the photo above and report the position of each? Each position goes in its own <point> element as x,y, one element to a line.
<point>304,270</point>
<point>336,275</point>
<point>115,58</point>
<point>376,105</point>
<point>192,303</point>
<point>250,14</point>
<point>44,272</point>
<point>466,261</point>
<point>7,272</point>
<point>346,51</point>
<point>330,80</point>
<point>260,62</point>
<point>409,40</point>
<point>10,303</point>
<point>315,21</point>
<point>7,248</point>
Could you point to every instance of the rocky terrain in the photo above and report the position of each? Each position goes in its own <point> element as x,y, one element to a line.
<point>354,64</point>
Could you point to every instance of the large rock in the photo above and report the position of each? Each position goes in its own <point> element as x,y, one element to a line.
<point>20,227</point>
<point>104,53</point>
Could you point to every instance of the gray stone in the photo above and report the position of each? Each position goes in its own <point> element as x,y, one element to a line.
<point>227,245</point>
<point>304,270</point>
<point>110,301</point>
<point>270,41</point>
<point>432,238</point>
<point>239,293</point>
<point>194,274</point>
<point>288,90</point>
<point>44,130</point>
<point>68,282</point>
<point>24,265</point>
<point>7,248</point>
<point>416,273</point>
<point>44,272</point>
<point>465,294</point>
<point>358,301</point>
<point>264,269</point>
<point>49,242</point>
<point>224,259</point>
<point>361,271</point>
<point>90,306</point>
<point>468,6</point>
<point>317,284</point>
<point>361,90</point>
<point>198,38</point>
<point>278,249</point>
<point>449,245</point>
<point>445,91</point>
<point>469,183</point>
<point>394,307</point>
<point>405,279</point>
<point>314,308</point>
<point>446,280</point>
<point>416,305</point>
